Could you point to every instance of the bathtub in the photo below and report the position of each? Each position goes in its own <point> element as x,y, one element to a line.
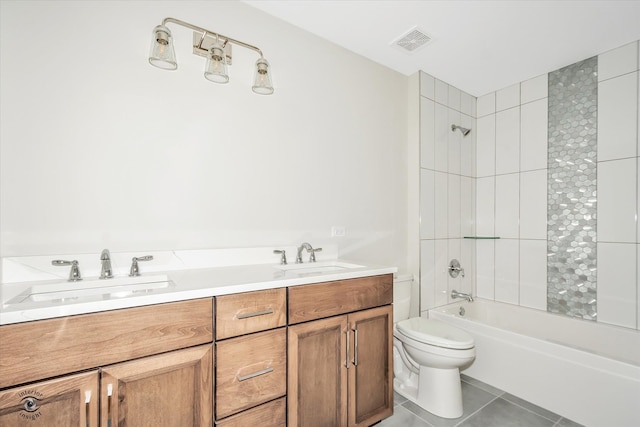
<point>582,370</point>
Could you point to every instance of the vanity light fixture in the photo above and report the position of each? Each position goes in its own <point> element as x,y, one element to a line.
<point>211,45</point>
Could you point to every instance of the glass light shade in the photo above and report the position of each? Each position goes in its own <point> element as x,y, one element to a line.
<point>162,54</point>
<point>262,78</point>
<point>216,68</point>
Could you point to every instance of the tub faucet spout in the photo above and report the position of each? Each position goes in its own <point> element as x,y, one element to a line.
<point>455,294</point>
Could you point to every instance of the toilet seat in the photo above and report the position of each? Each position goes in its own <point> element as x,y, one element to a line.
<point>434,332</point>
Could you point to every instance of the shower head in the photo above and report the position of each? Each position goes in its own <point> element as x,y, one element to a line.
<point>464,131</point>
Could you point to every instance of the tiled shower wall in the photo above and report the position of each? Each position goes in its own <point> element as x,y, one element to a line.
<point>447,190</point>
<point>511,191</point>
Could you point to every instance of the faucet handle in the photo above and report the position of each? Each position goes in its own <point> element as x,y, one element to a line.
<point>312,258</point>
<point>283,255</point>
<point>74,274</point>
<point>135,270</point>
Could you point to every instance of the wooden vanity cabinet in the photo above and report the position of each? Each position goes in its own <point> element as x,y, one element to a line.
<point>341,366</point>
<point>68,401</point>
<point>148,366</point>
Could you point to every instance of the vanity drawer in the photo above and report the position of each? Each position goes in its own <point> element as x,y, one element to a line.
<point>317,301</point>
<point>272,414</point>
<point>250,370</point>
<point>248,312</point>
<point>41,349</point>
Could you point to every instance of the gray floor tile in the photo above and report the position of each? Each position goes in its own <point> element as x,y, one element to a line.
<point>505,414</point>
<point>402,417</point>
<point>481,385</point>
<point>567,423</point>
<point>473,399</point>
<point>397,399</point>
<point>531,407</point>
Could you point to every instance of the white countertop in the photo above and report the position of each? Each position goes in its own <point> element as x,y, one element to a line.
<point>18,304</point>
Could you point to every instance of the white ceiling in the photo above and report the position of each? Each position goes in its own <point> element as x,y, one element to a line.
<point>478,46</point>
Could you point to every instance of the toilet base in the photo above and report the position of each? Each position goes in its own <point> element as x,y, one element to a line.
<point>438,391</point>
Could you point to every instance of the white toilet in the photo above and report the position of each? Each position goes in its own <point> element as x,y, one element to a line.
<point>427,357</point>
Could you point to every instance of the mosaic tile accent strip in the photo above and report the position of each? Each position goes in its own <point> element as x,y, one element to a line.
<point>571,190</point>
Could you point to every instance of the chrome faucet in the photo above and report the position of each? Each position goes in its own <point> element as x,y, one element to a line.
<point>310,250</point>
<point>74,274</point>
<point>455,294</point>
<point>105,259</point>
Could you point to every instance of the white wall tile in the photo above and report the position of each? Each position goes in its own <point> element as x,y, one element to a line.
<point>533,274</point>
<point>468,147</point>
<point>617,200</point>
<point>617,117</point>
<point>617,284</point>
<point>638,209</point>
<point>508,97</point>
<point>427,132</point>
<point>467,206</point>
<point>440,205</point>
<point>441,272</point>
<point>467,260</point>
<point>455,142</point>
<point>467,104</point>
<point>453,210</point>
<point>533,135</point>
<point>427,274</point>
<point>508,141</point>
<point>427,204</point>
<point>454,98</point>
<point>533,204</point>
<point>441,140</point>
<point>507,205</point>
<point>506,268</point>
<point>486,104</point>
<point>535,88</point>
<point>442,93</point>
<point>485,275</point>
<point>486,146</point>
<point>638,287</point>
<point>427,86</point>
<point>485,206</point>
<point>455,252</point>
<point>638,117</point>
<point>618,61</point>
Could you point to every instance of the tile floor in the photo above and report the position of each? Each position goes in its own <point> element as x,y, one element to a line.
<point>484,406</point>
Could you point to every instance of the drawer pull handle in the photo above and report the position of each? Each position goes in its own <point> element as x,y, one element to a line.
<point>255,374</point>
<point>254,314</point>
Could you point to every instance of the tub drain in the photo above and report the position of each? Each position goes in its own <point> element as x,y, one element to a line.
<point>461,311</point>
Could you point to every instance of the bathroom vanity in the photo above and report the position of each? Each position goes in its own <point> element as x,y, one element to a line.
<point>303,354</point>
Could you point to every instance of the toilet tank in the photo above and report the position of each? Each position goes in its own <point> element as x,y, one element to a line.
<point>402,297</point>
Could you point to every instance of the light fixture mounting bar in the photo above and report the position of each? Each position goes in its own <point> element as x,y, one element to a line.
<point>202,43</point>
<point>212,33</point>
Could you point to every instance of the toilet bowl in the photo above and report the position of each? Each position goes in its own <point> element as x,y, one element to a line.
<point>428,355</point>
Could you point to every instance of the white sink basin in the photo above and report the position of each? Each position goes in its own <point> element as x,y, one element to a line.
<point>113,288</point>
<point>312,268</point>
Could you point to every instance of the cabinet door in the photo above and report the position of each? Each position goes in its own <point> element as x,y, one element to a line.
<point>171,389</point>
<point>70,401</point>
<point>317,384</point>
<point>371,375</point>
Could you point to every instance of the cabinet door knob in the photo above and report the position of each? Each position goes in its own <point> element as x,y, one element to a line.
<point>254,374</point>
<point>346,362</point>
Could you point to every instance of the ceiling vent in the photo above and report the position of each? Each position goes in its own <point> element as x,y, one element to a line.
<point>412,41</point>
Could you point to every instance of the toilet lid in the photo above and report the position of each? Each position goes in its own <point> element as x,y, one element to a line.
<point>434,332</point>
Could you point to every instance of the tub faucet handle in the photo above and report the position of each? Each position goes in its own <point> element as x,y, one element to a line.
<point>74,274</point>
<point>455,269</point>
